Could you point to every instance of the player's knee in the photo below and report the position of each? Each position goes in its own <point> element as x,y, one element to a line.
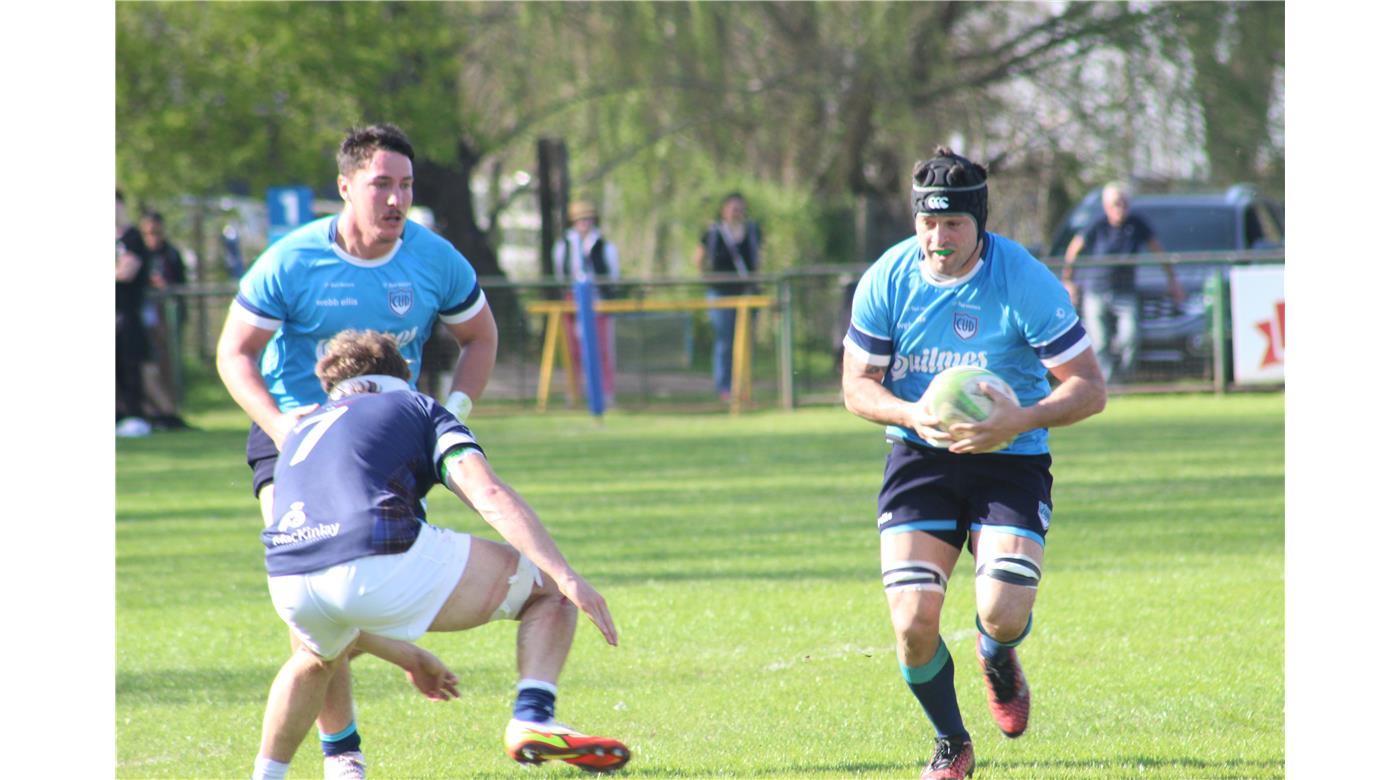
<point>915,590</point>
<point>1004,610</point>
<point>547,594</point>
<point>917,640</point>
<point>1004,623</point>
<point>915,619</point>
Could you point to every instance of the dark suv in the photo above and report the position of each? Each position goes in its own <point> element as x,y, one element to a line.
<point>1234,220</point>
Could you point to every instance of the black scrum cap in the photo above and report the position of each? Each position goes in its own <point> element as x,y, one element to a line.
<point>949,183</point>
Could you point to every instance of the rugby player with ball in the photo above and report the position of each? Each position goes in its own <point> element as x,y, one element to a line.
<point>952,298</point>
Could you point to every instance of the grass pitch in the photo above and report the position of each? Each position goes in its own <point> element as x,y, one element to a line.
<point>739,557</point>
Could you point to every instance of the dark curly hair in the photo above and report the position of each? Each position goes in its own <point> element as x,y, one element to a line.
<point>361,143</point>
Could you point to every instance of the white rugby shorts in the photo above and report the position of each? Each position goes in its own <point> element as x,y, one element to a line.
<point>395,596</point>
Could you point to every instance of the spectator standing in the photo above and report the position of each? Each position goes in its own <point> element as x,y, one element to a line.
<point>1107,296</point>
<point>167,269</point>
<point>132,276</point>
<point>729,246</point>
<point>233,251</point>
<point>583,253</point>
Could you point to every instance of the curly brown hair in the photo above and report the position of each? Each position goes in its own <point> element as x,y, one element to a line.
<point>355,353</point>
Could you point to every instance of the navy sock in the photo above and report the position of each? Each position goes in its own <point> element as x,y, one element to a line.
<point>534,703</point>
<point>932,685</point>
<point>344,741</point>
<point>991,649</point>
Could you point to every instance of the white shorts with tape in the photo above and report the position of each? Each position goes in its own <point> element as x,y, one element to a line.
<point>395,596</point>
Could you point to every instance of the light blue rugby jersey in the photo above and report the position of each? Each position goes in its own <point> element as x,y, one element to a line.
<point>308,289</point>
<point>1011,315</point>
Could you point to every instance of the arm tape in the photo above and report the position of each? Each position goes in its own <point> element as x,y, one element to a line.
<point>459,404</point>
<point>453,455</point>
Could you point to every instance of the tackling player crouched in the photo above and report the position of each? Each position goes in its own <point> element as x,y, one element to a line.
<point>352,561</point>
<point>956,294</point>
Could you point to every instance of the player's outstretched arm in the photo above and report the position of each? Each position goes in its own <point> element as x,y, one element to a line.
<point>476,484</point>
<point>427,673</point>
<point>867,397</point>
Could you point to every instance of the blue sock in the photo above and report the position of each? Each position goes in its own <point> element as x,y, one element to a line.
<point>534,701</point>
<point>344,741</point>
<point>991,649</point>
<point>932,685</point>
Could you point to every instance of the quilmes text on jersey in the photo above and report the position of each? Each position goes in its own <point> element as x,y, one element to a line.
<point>932,360</point>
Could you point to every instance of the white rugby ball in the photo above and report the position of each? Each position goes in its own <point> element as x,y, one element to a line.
<point>956,397</point>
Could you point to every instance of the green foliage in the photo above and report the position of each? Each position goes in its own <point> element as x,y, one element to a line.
<point>826,103</point>
<point>212,94</point>
<point>739,558</point>
<point>1237,52</point>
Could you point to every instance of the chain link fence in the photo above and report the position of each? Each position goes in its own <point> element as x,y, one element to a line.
<point>663,359</point>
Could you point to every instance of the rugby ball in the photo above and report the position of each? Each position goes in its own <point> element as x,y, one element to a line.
<point>955,396</point>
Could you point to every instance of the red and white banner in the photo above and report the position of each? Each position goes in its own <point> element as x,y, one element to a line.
<point>1256,311</point>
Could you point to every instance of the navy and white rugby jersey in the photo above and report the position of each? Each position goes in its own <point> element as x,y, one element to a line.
<point>1010,315</point>
<point>351,476</point>
<point>307,289</point>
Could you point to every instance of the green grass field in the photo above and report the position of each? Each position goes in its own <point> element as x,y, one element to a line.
<point>739,557</point>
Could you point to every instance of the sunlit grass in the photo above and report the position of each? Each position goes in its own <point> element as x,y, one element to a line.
<point>739,558</point>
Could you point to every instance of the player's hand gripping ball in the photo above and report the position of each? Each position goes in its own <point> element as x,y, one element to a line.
<point>956,397</point>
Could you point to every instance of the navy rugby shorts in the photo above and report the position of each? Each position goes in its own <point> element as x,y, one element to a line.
<point>262,458</point>
<point>948,495</point>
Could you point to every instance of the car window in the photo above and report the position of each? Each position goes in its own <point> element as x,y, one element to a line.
<point>1191,228</point>
<point>1252,229</point>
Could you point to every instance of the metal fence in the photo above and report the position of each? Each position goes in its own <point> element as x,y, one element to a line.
<point>663,359</point>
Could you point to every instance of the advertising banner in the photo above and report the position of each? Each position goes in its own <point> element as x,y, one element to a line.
<point>1256,311</point>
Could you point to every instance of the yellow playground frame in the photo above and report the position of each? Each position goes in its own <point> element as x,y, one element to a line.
<point>743,348</point>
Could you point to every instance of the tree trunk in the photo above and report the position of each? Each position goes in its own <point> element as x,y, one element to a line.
<point>446,189</point>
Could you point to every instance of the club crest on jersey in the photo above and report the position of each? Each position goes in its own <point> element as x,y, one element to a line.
<point>965,325</point>
<point>400,299</point>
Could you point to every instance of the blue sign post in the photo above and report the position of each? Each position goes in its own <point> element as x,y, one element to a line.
<point>588,344</point>
<point>287,209</point>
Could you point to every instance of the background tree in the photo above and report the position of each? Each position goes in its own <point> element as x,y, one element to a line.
<point>815,110</point>
<point>1236,50</point>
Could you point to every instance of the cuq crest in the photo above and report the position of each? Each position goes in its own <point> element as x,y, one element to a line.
<point>400,299</point>
<point>965,325</point>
